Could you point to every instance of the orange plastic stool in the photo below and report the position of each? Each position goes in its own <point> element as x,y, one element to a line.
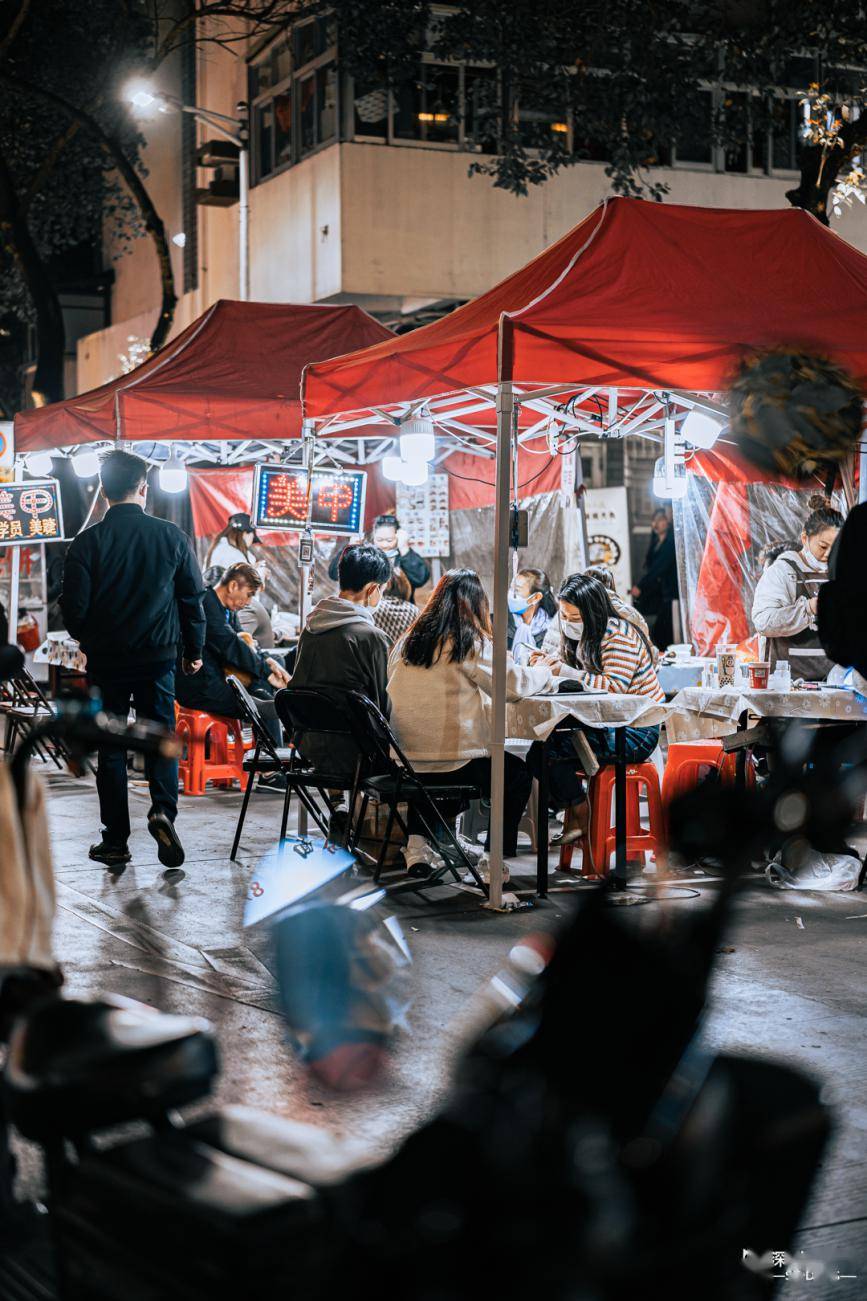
<point>688,762</point>
<point>603,836</point>
<point>213,750</point>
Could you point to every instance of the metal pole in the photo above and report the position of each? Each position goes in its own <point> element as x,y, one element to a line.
<point>243,210</point>
<point>862,468</point>
<point>305,575</point>
<point>505,412</point>
<point>15,569</point>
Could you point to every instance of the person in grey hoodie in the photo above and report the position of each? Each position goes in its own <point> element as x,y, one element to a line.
<point>341,646</point>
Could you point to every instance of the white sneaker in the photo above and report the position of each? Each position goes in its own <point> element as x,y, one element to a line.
<point>483,867</point>
<point>419,854</point>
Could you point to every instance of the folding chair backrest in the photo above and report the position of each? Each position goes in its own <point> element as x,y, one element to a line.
<point>373,733</point>
<point>250,714</point>
<point>318,711</point>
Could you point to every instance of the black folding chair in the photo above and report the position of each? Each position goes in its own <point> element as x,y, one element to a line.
<point>307,712</point>
<point>26,708</point>
<point>383,775</point>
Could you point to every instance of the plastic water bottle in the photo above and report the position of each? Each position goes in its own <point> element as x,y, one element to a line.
<point>783,675</point>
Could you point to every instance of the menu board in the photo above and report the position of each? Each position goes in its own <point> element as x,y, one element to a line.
<point>336,506</point>
<point>424,513</point>
<point>30,512</point>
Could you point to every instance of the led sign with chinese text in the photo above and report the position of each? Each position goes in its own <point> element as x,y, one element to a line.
<point>30,512</point>
<point>336,499</point>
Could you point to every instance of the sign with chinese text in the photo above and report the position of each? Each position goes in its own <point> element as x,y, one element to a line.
<point>608,534</point>
<point>336,506</point>
<point>7,451</point>
<point>424,513</point>
<point>30,512</point>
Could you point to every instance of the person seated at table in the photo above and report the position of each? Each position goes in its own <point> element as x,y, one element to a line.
<point>786,597</point>
<point>389,537</point>
<point>341,646</point>
<point>605,652</point>
<point>531,609</point>
<point>439,681</point>
<point>228,650</point>
<point>396,611</point>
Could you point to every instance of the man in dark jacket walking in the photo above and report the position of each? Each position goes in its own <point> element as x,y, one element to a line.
<point>132,591</point>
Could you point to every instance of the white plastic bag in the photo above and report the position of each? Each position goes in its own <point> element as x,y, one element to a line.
<point>798,866</point>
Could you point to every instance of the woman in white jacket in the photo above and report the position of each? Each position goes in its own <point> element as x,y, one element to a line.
<point>440,687</point>
<point>786,597</point>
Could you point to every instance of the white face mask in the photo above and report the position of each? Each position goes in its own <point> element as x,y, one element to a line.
<point>574,631</point>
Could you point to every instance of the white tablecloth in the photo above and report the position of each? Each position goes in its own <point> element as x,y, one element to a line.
<point>703,711</point>
<point>535,717</point>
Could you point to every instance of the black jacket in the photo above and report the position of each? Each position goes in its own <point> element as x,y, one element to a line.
<point>412,564</point>
<point>132,590</point>
<point>223,649</point>
<point>842,607</point>
<point>353,656</point>
<point>658,582</point>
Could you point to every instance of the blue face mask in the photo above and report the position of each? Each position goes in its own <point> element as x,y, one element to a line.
<point>518,604</point>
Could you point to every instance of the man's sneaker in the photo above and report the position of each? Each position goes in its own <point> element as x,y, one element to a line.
<point>272,781</point>
<point>110,855</point>
<point>421,858</point>
<point>471,848</point>
<point>170,851</point>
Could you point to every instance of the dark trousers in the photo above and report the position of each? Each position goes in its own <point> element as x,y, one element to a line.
<point>565,781</point>
<point>477,772</point>
<point>154,699</point>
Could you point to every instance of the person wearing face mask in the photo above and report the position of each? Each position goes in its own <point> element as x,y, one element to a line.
<point>606,653</point>
<point>340,646</point>
<point>786,597</point>
<point>531,609</point>
<point>394,541</point>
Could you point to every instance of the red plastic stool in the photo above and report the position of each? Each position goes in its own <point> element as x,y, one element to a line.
<point>213,750</point>
<point>688,762</point>
<point>603,836</point>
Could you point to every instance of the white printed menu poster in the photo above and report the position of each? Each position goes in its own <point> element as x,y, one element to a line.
<point>608,534</point>
<point>424,513</point>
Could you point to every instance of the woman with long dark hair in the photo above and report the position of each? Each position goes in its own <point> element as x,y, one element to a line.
<point>531,609</point>
<point>607,653</point>
<point>440,687</point>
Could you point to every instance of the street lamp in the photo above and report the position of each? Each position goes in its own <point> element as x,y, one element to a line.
<point>144,99</point>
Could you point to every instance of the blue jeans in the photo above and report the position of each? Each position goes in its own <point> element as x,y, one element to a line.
<point>153,699</point>
<point>565,783</point>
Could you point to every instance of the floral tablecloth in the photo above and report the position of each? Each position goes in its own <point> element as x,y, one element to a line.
<point>535,717</point>
<point>707,712</point>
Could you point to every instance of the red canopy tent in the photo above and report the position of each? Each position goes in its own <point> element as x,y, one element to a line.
<point>233,374</point>
<point>640,301</point>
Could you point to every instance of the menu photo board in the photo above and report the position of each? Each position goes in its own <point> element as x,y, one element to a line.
<point>336,500</point>
<point>30,512</point>
<point>424,513</point>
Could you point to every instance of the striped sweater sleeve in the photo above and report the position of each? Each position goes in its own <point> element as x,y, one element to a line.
<point>626,666</point>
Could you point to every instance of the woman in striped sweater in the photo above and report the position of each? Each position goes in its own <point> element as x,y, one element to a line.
<point>607,653</point>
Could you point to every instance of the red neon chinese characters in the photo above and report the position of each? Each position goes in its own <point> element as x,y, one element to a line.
<point>335,497</point>
<point>286,496</point>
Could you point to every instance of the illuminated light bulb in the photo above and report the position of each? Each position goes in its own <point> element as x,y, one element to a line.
<point>173,475</point>
<point>39,464</point>
<point>417,447</point>
<point>392,468</point>
<point>86,465</point>
<point>414,473</point>
<point>701,429</point>
<point>669,483</point>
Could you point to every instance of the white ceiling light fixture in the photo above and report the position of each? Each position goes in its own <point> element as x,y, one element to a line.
<point>391,468</point>
<point>702,429</point>
<point>418,438</point>
<point>86,465</point>
<point>414,473</point>
<point>39,464</point>
<point>173,475</point>
<point>669,471</point>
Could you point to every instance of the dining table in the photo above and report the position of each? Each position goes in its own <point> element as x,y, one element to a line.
<point>536,718</point>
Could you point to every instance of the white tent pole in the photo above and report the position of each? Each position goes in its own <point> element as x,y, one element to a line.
<point>505,412</point>
<point>305,575</point>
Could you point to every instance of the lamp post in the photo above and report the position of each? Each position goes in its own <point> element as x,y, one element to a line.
<point>237,130</point>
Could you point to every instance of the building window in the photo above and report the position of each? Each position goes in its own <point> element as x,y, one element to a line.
<point>294,96</point>
<point>693,144</point>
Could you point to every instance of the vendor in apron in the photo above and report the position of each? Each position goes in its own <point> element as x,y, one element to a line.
<point>784,605</point>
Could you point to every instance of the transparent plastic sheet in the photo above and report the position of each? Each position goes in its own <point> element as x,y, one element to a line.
<point>724,527</point>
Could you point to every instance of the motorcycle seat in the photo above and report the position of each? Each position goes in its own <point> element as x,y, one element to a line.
<point>76,1066</point>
